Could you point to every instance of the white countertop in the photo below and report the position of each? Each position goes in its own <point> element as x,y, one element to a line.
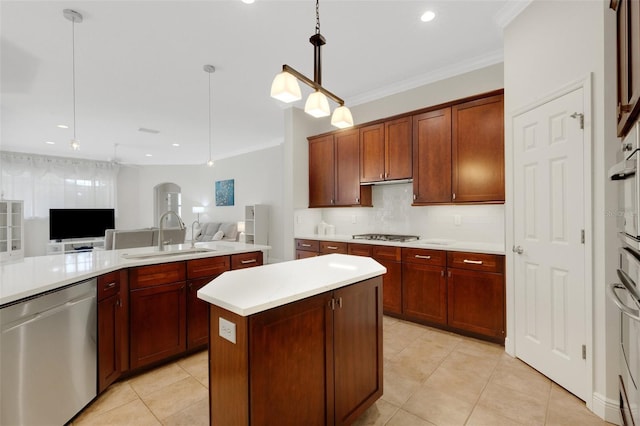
<point>30,276</point>
<point>249,291</point>
<point>427,243</point>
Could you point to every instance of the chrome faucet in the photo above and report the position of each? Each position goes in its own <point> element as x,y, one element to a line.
<point>161,232</point>
<point>193,238</point>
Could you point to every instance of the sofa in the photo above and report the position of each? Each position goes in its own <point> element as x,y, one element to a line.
<point>146,237</point>
<point>214,231</point>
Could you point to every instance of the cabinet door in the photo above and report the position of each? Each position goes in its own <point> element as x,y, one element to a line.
<point>109,328</point>
<point>157,323</point>
<point>303,254</point>
<point>357,349</point>
<point>372,153</point>
<point>321,171</point>
<point>246,260</point>
<point>628,29</point>
<point>478,150</point>
<point>392,293</point>
<point>291,354</point>
<point>476,302</point>
<point>398,147</point>
<point>432,157</point>
<point>347,168</point>
<point>328,247</point>
<point>360,249</point>
<point>424,292</point>
<point>197,314</point>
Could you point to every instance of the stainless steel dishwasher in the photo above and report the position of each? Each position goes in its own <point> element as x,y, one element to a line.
<point>48,360</point>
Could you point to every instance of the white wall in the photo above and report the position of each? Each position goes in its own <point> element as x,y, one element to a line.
<point>549,45</point>
<point>258,180</point>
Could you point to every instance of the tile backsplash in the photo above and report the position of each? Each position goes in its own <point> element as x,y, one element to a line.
<point>392,213</point>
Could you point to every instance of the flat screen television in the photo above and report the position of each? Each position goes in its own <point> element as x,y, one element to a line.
<point>65,224</point>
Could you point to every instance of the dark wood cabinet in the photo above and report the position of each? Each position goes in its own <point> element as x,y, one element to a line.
<point>432,157</point>
<point>478,150</point>
<point>334,171</point>
<point>246,260</point>
<point>357,249</point>
<point>307,248</point>
<point>386,151</point>
<point>328,247</point>
<point>199,273</point>
<point>157,312</point>
<point>628,63</point>
<point>476,294</point>
<point>390,257</point>
<point>458,153</point>
<point>327,347</point>
<point>424,285</point>
<point>110,325</point>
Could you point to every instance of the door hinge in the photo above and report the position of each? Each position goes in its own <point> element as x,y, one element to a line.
<point>582,236</point>
<point>579,116</point>
<point>584,351</point>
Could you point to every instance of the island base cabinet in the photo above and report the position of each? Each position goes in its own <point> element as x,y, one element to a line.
<point>324,351</point>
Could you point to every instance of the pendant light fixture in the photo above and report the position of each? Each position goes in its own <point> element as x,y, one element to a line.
<point>285,86</point>
<point>209,69</point>
<point>74,17</point>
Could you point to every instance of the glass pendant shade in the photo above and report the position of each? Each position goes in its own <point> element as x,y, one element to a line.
<point>317,105</point>
<point>285,88</point>
<point>342,118</point>
<point>75,144</point>
<point>210,163</point>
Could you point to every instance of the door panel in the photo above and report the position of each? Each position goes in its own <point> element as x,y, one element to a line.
<point>549,219</point>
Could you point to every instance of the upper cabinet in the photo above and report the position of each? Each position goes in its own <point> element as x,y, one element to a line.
<point>385,151</point>
<point>628,42</point>
<point>334,171</point>
<point>458,153</point>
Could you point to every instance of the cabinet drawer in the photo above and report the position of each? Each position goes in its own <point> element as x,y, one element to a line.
<point>424,256</point>
<point>153,275</point>
<point>246,260</point>
<point>360,249</point>
<point>327,247</point>
<point>476,261</point>
<point>108,284</point>
<point>386,253</point>
<point>308,245</point>
<point>208,266</point>
<point>301,254</point>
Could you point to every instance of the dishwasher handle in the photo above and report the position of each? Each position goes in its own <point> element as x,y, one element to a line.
<point>46,313</point>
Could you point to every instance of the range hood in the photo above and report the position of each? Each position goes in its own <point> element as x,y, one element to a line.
<point>387,182</point>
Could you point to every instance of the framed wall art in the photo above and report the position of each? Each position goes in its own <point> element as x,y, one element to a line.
<point>225,192</point>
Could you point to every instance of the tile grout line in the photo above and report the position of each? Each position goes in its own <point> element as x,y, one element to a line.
<point>475,404</point>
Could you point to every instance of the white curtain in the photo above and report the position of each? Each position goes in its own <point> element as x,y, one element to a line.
<point>44,182</point>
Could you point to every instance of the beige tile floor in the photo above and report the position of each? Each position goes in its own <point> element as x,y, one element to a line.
<point>431,377</point>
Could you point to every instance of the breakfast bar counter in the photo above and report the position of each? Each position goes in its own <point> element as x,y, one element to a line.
<point>298,341</point>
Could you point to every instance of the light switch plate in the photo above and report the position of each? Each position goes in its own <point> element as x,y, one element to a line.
<point>457,219</point>
<point>227,330</point>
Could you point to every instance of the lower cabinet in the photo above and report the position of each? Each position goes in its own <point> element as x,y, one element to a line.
<point>325,349</point>
<point>307,248</point>
<point>390,258</point>
<point>424,285</point>
<point>110,329</point>
<point>476,294</point>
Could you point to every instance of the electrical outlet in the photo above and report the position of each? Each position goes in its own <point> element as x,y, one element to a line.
<point>457,219</point>
<point>227,330</point>
<point>353,218</point>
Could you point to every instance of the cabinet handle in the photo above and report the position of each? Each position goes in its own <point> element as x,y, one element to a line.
<point>118,303</point>
<point>473,262</point>
<point>110,285</point>
<point>381,176</point>
<point>332,201</point>
<point>244,262</point>
<point>332,247</point>
<point>419,256</point>
<point>386,175</point>
<point>449,274</point>
<point>442,273</point>
<point>190,284</point>
<point>339,302</point>
<point>414,197</point>
<point>357,199</point>
<point>454,195</point>
<point>305,245</point>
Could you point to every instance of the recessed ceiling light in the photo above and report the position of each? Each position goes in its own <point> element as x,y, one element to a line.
<point>62,126</point>
<point>428,16</point>
<point>49,142</point>
<point>247,1</point>
<point>148,155</point>
<point>175,144</point>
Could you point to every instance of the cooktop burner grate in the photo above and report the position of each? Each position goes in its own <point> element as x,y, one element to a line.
<point>386,237</point>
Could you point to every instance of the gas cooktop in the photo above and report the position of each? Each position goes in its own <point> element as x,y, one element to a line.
<point>386,237</point>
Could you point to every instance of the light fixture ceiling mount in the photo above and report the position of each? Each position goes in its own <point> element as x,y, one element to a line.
<point>210,69</point>
<point>74,17</point>
<point>285,85</point>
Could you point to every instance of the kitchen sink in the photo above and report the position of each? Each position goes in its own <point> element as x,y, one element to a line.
<point>167,253</point>
<point>435,241</point>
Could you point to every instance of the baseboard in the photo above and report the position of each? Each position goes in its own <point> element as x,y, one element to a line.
<point>605,408</point>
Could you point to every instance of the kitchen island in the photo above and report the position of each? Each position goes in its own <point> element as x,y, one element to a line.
<point>297,342</point>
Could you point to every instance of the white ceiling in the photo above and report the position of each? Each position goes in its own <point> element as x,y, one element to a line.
<point>139,65</point>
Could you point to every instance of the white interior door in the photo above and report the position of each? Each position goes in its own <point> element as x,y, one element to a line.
<point>549,222</point>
